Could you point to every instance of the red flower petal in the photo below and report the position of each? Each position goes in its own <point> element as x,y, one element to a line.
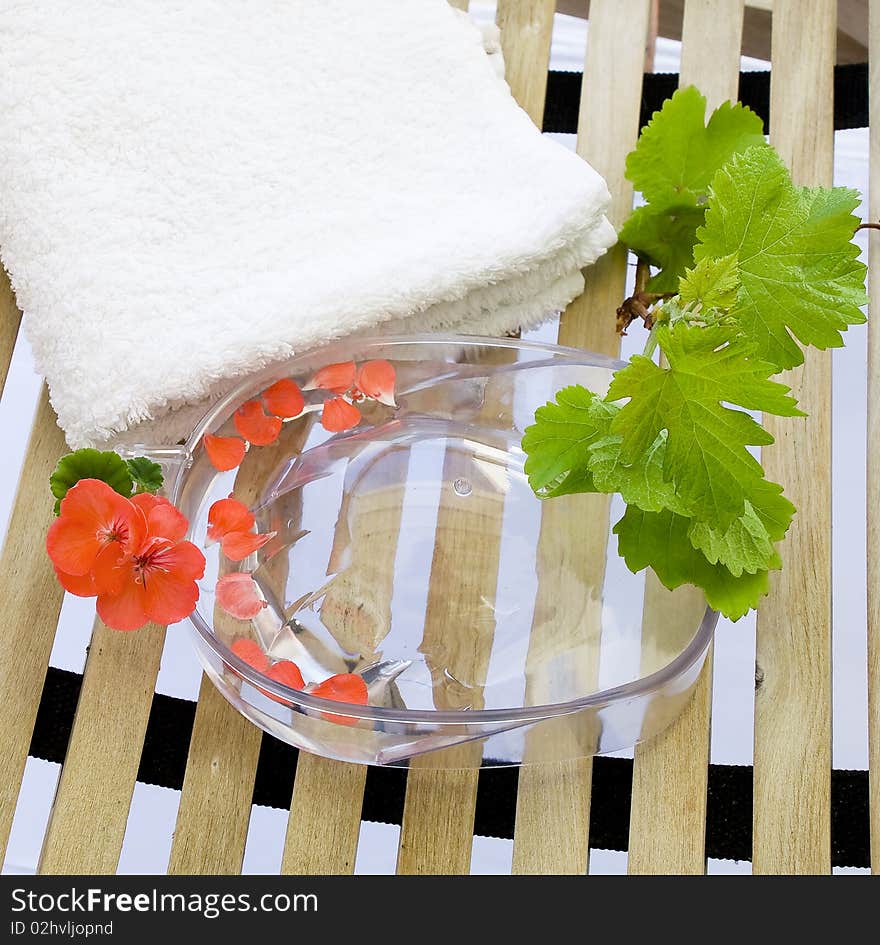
<point>110,570</point>
<point>169,597</point>
<point>237,595</point>
<point>228,515</point>
<point>82,585</point>
<point>339,415</point>
<point>255,425</point>
<point>344,687</point>
<point>92,516</point>
<point>338,378</point>
<point>225,452</point>
<point>284,399</point>
<point>238,545</point>
<point>376,379</point>
<point>287,674</point>
<point>251,653</point>
<point>158,585</point>
<point>163,518</point>
<point>126,611</point>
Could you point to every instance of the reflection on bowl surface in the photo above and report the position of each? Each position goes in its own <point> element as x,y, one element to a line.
<point>411,551</point>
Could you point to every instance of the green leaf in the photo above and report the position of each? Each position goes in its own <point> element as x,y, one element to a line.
<point>673,165</point>
<point>798,267</point>
<point>744,546</point>
<point>659,540</point>
<point>107,466</point>
<point>706,456</point>
<point>712,283</point>
<point>748,544</point>
<point>641,483</point>
<point>677,154</point>
<point>664,235</point>
<point>557,443</point>
<point>146,475</point>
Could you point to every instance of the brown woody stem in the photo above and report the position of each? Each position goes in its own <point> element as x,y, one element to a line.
<point>638,305</point>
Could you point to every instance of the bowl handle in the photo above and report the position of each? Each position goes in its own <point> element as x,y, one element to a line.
<point>174,460</point>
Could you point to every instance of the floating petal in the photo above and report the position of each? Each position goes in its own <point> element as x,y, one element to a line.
<point>228,515</point>
<point>225,452</point>
<point>255,425</point>
<point>250,652</point>
<point>344,687</point>
<point>284,399</point>
<point>339,378</point>
<point>238,545</point>
<point>339,415</point>
<point>237,595</point>
<point>287,674</point>
<point>376,379</point>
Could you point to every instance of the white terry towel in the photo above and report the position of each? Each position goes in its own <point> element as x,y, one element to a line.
<point>193,189</point>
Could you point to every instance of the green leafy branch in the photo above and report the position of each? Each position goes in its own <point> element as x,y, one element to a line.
<point>750,269</point>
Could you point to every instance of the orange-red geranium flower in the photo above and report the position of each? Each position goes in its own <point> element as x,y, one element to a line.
<point>157,581</point>
<point>96,529</point>
<point>225,452</point>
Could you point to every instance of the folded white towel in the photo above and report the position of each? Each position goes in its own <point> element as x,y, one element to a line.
<point>192,190</point>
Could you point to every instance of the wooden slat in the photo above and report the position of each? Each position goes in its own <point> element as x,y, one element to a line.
<point>670,772</point>
<point>526,30</point>
<point>873,497</point>
<point>852,27</point>
<point>437,829</point>
<point>438,818</point>
<point>792,771</point>
<point>553,798</point>
<point>325,811</point>
<point>325,817</point>
<point>10,319</point>
<point>608,125</point>
<point>88,819</point>
<point>552,830</point>
<point>215,803</point>
<point>710,48</point>
<point>30,600</point>
<point>436,834</point>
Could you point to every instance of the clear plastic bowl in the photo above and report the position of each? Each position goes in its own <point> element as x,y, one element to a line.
<point>489,626</point>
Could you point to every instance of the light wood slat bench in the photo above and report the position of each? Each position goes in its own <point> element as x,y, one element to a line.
<point>792,763</point>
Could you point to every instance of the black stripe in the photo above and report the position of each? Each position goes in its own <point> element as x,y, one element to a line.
<point>729,801</point>
<point>850,96</point>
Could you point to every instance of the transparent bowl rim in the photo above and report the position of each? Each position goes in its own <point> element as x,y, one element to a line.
<point>692,652</point>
